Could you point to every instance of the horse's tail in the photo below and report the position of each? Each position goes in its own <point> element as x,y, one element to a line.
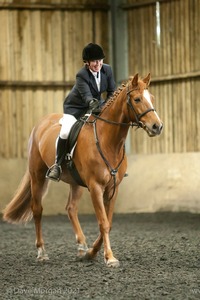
<point>19,209</point>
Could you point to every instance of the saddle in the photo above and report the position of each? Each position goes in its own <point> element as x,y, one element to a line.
<point>71,141</point>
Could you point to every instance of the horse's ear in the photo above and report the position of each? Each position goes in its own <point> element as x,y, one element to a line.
<point>147,79</point>
<point>135,80</point>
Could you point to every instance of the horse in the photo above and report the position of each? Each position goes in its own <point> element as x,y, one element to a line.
<point>100,159</point>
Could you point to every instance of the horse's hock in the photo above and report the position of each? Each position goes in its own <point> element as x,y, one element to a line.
<point>159,182</point>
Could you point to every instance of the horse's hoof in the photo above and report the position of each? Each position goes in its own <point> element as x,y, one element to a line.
<point>89,255</point>
<point>42,255</point>
<point>112,263</point>
<point>82,250</point>
<point>81,255</point>
<point>42,258</point>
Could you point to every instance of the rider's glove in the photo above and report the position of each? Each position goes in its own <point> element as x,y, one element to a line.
<point>96,111</point>
<point>93,104</point>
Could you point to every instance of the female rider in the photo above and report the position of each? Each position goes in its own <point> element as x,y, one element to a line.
<point>92,80</point>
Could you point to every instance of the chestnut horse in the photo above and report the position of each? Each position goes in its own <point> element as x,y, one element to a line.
<point>100,159</point>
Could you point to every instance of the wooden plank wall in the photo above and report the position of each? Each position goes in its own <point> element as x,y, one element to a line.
<point>174,63</point>
<point>40,53</point>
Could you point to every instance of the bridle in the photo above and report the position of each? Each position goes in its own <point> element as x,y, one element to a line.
<point>137,123</point>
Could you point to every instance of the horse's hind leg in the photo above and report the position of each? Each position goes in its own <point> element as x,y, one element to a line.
<point>72,209</point>
<point>38,187</point>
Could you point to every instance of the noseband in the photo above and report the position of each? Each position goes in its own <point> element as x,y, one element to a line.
<point>137,116</point>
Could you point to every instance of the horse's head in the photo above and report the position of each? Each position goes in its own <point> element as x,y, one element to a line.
<point>140,106</point>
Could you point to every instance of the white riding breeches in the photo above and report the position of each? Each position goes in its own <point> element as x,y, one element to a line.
<point>67,122</point>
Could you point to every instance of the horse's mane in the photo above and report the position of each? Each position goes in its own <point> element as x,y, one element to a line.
<point>116,93</point>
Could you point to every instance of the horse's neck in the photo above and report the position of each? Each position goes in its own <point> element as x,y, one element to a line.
<point>114,135</point>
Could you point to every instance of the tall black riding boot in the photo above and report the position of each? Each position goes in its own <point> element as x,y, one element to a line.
<point>55,171</point>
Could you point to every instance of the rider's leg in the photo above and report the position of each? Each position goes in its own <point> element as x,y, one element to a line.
<point>61,150</point>
<point>55,171</point>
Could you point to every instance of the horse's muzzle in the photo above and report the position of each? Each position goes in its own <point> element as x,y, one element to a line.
<point>157,128</point>
<point>154,129</point>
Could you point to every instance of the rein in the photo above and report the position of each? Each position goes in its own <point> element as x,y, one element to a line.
<point>132,124</point>
<point>138,123</point>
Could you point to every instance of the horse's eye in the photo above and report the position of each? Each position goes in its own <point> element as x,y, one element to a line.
<point>137,100</point>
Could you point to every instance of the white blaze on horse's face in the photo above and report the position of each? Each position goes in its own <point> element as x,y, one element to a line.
<point>147,96</point>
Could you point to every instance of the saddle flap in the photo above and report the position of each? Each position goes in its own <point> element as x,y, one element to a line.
<point>73,134</point>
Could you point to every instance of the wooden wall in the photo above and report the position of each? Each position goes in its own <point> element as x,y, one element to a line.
<point>173,58</point>
<point>40,53</point>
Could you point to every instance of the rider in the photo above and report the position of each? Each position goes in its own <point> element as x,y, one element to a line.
<point>92,80</point>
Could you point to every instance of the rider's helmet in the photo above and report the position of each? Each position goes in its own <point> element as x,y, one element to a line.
<point>92,52</point>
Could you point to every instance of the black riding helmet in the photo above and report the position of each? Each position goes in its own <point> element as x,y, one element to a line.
<point>92,52</point>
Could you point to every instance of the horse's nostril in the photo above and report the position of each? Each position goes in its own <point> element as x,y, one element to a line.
<point>155,127</point>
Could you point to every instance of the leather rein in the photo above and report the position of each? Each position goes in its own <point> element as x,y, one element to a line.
<point>138,124</point>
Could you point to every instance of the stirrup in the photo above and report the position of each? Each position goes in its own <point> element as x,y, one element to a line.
<point>54,178</point>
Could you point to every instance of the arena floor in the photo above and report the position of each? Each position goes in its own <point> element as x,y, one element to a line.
<point>159,258</point>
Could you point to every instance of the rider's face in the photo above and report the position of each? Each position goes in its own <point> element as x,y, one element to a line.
<point>95,65</point>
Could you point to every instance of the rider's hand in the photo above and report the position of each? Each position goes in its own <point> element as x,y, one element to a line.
<point>93,104</point>
<point>96,111</point>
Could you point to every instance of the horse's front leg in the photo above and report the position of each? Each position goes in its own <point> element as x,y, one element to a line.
<point>109,204</point>
<point>109,207</point>
<point>72,209</point>
<point>104,215</point>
